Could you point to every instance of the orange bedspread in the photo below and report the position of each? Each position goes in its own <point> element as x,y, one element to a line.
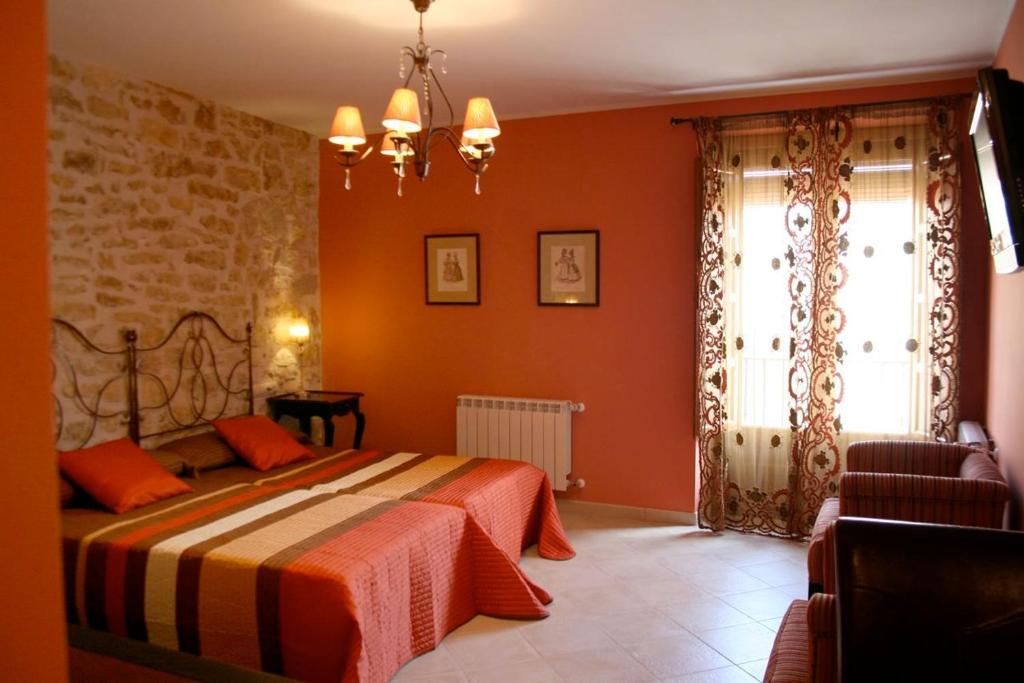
<point>512,501</point>
<point>312,585</point>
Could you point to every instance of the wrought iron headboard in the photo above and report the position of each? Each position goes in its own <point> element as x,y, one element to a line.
<point>196,393</point>
<point>82,386</point>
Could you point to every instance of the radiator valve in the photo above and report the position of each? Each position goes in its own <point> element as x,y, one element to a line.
<point>577,483</point>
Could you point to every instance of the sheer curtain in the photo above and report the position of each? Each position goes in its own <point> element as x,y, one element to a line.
<point>828,300</point>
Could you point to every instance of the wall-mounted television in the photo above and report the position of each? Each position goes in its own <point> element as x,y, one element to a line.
<point>997,131</point>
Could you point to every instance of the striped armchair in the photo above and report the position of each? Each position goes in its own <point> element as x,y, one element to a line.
<point>913,481</point>
<point>805,645</point>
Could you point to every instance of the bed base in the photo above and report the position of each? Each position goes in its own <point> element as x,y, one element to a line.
<point>163,659</point>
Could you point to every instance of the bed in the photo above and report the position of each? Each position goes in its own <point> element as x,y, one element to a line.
<point>342,567</point>
<point>511,501</point>
<point>314,586</point>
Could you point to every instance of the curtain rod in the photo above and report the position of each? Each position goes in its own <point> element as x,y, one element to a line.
<point>677,120</point>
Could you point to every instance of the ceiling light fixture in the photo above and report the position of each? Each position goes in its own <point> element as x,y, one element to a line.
<point>406,139</point>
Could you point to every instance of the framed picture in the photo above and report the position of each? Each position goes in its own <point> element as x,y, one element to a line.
<point>453,269</point>
<point>569,268</point>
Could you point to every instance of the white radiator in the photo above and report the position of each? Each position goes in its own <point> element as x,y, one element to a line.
<point>537,431</point>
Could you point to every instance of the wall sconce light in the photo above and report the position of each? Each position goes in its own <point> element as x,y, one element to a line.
<point>298,332</point>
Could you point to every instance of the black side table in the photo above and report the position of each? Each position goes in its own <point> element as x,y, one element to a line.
<point>306,405</point>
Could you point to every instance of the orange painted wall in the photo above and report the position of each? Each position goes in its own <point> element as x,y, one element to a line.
<point>1006,330</point>
<point>626,173</point>
<point>32,633</point>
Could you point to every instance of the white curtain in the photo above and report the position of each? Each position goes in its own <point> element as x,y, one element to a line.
<point>837,267</point>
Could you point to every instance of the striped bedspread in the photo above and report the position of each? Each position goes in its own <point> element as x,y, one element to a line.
<point>512,501</point>
<point>306,583</point>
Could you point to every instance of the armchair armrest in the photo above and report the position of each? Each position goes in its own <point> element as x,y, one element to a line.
<point>916,498</point>
<point>821,632</point>
<point>907,457</point>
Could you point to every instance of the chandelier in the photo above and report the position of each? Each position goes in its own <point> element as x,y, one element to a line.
<point>407,140</point>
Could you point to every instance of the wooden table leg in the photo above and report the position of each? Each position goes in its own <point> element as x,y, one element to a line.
<point>328,428</point>
<point>306,425</point>
<point>360,425</point>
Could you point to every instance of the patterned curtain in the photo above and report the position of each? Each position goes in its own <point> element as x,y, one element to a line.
<point>828,303</point>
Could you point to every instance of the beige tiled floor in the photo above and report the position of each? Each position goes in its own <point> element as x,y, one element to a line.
<point>640,602</point>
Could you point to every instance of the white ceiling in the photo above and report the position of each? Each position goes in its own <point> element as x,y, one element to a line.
<point>293,61</point>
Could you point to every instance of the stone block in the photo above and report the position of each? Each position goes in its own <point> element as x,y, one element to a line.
<point>80,161</point>
<point>217,148</point>
<point>176,241</point>
<point>111,300</point>
<point>212,191</point>
<point>202,282</point>
<point>169,277</point>
<point>171,112</point>
<point>166,165</point>
<point>62,70</point>
<point>218,224</point>
<point>61,98</point>
<point>241,178</point>
<point>105,109</point>
<point>205,117</point>
<point>140,258</point>
<point>155,132</point>
<point>206,258</point>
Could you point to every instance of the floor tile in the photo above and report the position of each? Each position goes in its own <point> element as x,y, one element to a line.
<point>793,550</point>
<point>796,591</point>
<point>615,597</point>
<point>778,572</point>
<point>603,548</point>
<point>756,669</point>
<point>761,604</point>
<point>636,570</point>
<point>773,624</point>
<point>443,677</point>
<point>438,661</point>
<point>678,655</point>
<point>552,637</point>
<point>521,672</point>
<point>576,573</point>
<point>667,591</point>
<point>702,614</point>
<point>601,666</point>
<point>745,556</point>
<point>730,674</point>
<point>741,644</point>
<point>487,643</point>
<point>726,580</point>
<point>688,564</point>
<point>638,627</point>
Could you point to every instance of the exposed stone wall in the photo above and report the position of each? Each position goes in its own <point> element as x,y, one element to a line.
<point>162,203</point>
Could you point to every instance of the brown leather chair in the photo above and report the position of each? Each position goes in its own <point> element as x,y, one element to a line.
<point>928,602</point>
<point>914,602</point>
<point>914,481</point>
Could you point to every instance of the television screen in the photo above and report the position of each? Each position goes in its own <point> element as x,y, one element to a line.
<point>996,134</point>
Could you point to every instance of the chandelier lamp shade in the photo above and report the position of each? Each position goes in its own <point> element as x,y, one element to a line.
<point>410,136</point>
<point>403,112</point>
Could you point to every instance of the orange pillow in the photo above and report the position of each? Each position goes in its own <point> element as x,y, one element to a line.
<point>120,475</point>
<point>261,442</point>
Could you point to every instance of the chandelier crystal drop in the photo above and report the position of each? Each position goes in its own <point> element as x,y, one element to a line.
<point>410,136</point>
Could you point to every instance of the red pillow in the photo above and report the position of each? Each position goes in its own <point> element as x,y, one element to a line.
<point>261,442</point>
<point>120,475</point>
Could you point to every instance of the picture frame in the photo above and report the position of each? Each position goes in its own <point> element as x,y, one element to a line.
<point>569,268</point>
<point>452,269</point>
